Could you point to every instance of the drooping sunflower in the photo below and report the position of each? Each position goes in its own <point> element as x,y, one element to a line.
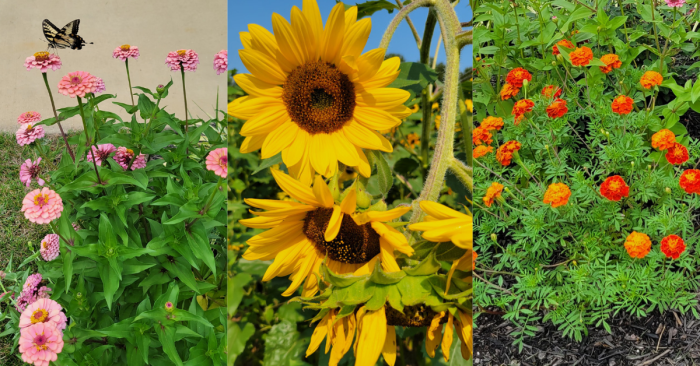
<point>302,234</point>
<point>313,95</point>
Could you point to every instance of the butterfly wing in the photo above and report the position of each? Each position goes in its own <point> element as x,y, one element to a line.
<point>71,28</point>
<point>57,37</point>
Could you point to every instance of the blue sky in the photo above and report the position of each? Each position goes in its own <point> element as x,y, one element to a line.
<point>243,12</point>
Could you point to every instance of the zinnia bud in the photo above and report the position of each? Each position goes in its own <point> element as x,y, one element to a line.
<point>169,307</point>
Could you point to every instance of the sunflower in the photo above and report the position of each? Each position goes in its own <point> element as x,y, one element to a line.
<point>313,96</point>
<point>302,234</point>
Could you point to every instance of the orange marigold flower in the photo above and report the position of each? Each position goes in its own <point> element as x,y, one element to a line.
<point>481,136</point>
<point>677,154</point>
<point>509,91</point>
<point>557,194</point>
<point>690,181</point>
<point>612,62</point>
<point>516,76</point>
<point>519,118</point>
<point>492,193</point>
<point>474,255</point>
<point>638,245</point>
<point>551,91</point>
<point>492,123</point>
<point>650,79</point>
<point>504,154</point>
<point>622,105</point>
<point>523,106</point>
<point>672,246</point>
<point>614,188</point>
<point>481,150</point>
<point>581,56</point>
<point>663,139</point>
<point>557,108</point>
<point>565,43</point>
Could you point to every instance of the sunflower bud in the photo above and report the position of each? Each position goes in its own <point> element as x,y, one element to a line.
<point>335,189</point>
<point>379,206</point>
<point>364,199</point>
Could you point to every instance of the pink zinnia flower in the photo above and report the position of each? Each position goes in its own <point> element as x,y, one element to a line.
<point>75,225</point>
<point>221,62</point>
<point>42,206</point>
<point>43,61</point>
<point>217,162</point>
<point>675,3</point>
<point>43,292</point>
<point>28,134</point>
<point>30,170</point>
<point>188,58</point>
<point>77,84</point>
<point>40,344</point>
<point>124,156</point>
<point>29,292</point>
<point>29,117</point>
<point>50,247</point>
<point>99,85</point>
<point>125,51</point>
<point>102,152</point>
<point>44,311</point>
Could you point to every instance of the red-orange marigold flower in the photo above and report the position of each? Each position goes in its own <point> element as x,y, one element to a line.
<point>638,245</point>
<point>474,255</point>
<point>508,91</point>
<point>516,76</point>
<point>565,43</point>
<point>504,154</point>
<point>672,246</point>
<point>581,56</point>
<point>557,108</point>
<point>650,79</point>
<point>614,188</point>
<point>622,105</point>
<point>551,91</point>
<point>518,119</point>
<point>481,136</point>
<point>523,106</point>
<point>481,150</point>
<point>690,181</point>
<point>663,139</point>
<point>492,123</point>
<point>677,154</point>
<point>557,194</point>
<point>492,193</point>
<point>612,62</point>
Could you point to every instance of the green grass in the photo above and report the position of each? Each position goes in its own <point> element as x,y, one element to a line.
<point>15,230</point>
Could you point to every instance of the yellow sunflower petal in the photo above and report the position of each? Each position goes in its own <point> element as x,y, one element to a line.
<point>350,16</point>
<point>348,66</point>
<point>334,224</point>
<point>433,336</point>
<point>286,260</point>
<point>447,338</point>
<point>310,287</point>
<point>370,341</point>
<point>375,119</point>
<point>464,331</point>
<point>356,37</point>
<point>393,237</point>
<point>313,16</point>
<point>364,167</point>
<point>279,233</point>
<point>257,87</point>
<point>322,192</point>
<point>269,251</point>
<point>349,203</point>
<point>388,259</point>
<point>440,211</point>
<point>389,349</point>
<point>386,75</point>
<point>333,34</point>
<point>344,150</point>
<point>295,188</point>
<point>265,121</point>
<point>279,139</point>
<point>284,212</point>
<point>295,151</point>
<point>246,39</point>
<point>320,332</point>
<point>400,111</point>
<point>369,63</point>
<point>305,267</point>
<point>292,48</point>
<point>266,204</point>
<point>361,136</point>
<point>303,33</point>
<point>323,155</point>
<point>385,216</point>
<point>261,222</point>
<point>384,98</point>
<point>262,40</point>
<point>344,333</point>
<point>252,143</point>
<point>262,67</point>
<point>303,171</point>
<point>248,107</point>
<point>368,267</point>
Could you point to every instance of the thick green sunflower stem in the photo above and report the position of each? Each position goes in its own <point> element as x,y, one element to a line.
<point>55,115</point>
<point>426,107</point>
<point>403,13</point>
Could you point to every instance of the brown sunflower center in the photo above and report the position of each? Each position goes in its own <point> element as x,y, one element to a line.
<point>319,97</point>
<point>413,316</point>
<point>354,243</point>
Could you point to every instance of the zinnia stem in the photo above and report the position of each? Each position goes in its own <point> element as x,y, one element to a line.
<point>184,93</point>
<point>90,144</point>
<point>55,230</point>
<point>131,93</point>
<point>55,115</point>
<point>9,295</point>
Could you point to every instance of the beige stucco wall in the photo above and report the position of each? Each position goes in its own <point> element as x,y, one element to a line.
<point>155,26</point>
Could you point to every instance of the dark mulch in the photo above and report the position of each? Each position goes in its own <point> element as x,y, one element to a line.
<point>660,339</point>
<point>691,121</point>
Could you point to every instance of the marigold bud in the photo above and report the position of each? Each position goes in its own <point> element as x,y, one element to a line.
<point>621,82</point>
<point>632,163</point>
<point>546,147</point>
<point>494,238</point>
<point>602,131</point>
<point>668,190</point>
<point>560,57</point>
<point>648,109</point>
<point>554,63</point>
